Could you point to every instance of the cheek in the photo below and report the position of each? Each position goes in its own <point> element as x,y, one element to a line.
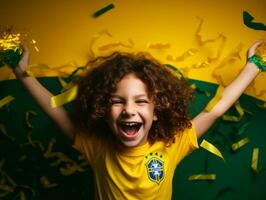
<point>149,114</point>
<point>113,113</point>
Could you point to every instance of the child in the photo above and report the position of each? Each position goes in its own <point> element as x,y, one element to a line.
<point>131,121</point>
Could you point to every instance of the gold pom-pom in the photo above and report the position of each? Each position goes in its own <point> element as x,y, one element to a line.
<point>261,52</point>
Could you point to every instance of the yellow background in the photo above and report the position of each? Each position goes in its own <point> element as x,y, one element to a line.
<point>64,29</point>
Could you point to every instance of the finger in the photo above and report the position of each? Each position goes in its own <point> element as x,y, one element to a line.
<point>256,44</point>
<point>252,49</point>
<point>25,48</point>
<point>25,57</point>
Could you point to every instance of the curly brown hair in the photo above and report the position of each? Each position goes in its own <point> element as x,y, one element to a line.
<point>169,94</point>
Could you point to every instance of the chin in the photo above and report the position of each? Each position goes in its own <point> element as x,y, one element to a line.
<point>130,144</point>
<point>133,143</point>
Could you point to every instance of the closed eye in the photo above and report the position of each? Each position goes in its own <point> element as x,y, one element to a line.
<point>116,101</point>
<point>142,101</point>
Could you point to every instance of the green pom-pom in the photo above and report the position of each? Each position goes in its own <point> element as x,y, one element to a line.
<point>10,57</point>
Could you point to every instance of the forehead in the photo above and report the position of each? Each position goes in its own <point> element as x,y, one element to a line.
<point>130,83</point>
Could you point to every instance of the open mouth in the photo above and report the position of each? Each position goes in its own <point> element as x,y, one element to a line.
<point>130,129</point>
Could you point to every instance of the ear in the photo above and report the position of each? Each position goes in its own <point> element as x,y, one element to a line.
<point>155,118</point>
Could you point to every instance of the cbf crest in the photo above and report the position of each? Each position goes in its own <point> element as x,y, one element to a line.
<point>155,169</point>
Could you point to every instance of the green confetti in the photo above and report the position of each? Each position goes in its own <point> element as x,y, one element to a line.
<point>10,57</point>
<point>248,21</point>
<point>103,10</point>
<point>176,70</point>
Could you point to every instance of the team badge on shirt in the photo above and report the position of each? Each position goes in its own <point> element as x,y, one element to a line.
<point>155,169</point>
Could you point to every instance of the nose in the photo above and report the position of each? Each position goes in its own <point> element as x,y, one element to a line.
<point>129,110</point>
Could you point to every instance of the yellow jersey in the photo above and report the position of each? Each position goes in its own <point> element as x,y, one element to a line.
<point>142,172</point>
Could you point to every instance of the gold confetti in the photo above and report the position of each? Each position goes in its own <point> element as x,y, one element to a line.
<point>27,117</point>
<point>94,39</point>
<point>46,183</point>
<point>186,54</point>
<point>117,44</point>
<point>211,148</point>
<point>70,165</point>
<point>64,97</point>
<point>3,130</point>
<point>35,45</point>
<point>215,99</point>
<point>254,160</point>
<point>158,46</point>
<point>6,100</point>
<point>208,177</point>
<point>261,52</point>
<point>233,118</point>
<point>9,40</point>
<point>239,144</point>
<point>235,55</point>
<point>199,37</point>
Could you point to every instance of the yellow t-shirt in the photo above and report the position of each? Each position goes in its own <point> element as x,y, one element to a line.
<point>143,172</point>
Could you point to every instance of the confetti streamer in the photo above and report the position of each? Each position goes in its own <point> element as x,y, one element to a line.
<point>211,148</point>
<point>186,54</point>
<point>207,177</point>
<point>94,39</point>
<point>215,99</point>
<point>7,184</point>
<point>262,105</point>
<point>46,183</point>
<point>220,49</point>
<point>158,46</point>
<point>28,114</point>
<point>62,82</point>
<point>176,70</point>
<point>224,191</point>
<point>236,146</point>
<point>6,100</point>
<point>70,169</point>
<point>33,143</point>
<point>103,10</point>
<point>199,37</point>
<point>22,196</point>
<point>73,73</point>
<point>233,118</point>
<point>248,21</point>
<point>65,97</point>
<point>70,166</point>
<point>210,59</point>
<point>254,160</point>
<point>235,55</point>
<point>261,52</point>
<point>117,44</point>
<point>35,46</point>
<point>195,87</point>
<point>3,130</point>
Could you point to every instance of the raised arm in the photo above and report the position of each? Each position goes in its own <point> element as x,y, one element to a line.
<point>204,120</point>
<point>42,96</point>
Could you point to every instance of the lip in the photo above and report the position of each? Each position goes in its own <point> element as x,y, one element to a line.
<point>126,136</point>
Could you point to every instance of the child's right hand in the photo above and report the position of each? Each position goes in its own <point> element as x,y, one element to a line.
<point>24,61</point>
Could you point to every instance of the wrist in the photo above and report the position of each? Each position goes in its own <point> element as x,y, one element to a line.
<point>19,72</point>
<point>258,62</point>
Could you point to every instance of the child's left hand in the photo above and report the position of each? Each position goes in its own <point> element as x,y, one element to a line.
<point>252,49</point>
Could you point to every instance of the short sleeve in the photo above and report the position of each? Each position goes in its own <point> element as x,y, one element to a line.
<point>184,144</point>
<point>193,138</point>
<point>87,145</point>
